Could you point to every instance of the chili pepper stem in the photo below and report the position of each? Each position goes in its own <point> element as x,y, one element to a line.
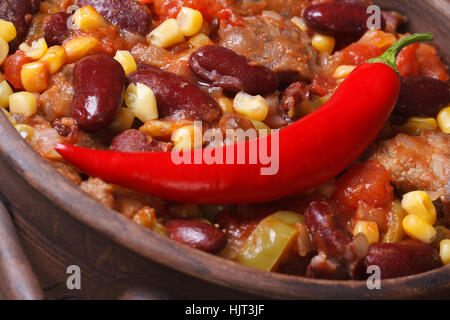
<point>390,56</point>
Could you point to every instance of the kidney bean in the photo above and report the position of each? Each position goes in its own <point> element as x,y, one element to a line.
<point>198,235</point>
<point>16,11</point>
<point>125,14</point>
<point>177,97</point>
<point>294,94</point>
<point>55,28</point>
<point>422,96</point>
<point>402,258</point>
<point>99,82</point>
<point>136,141</point>
<point>339,18</point>
<point>232,72</point>
<point>327,235</point>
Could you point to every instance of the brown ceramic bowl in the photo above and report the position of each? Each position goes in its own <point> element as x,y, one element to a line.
<point>60,225</point>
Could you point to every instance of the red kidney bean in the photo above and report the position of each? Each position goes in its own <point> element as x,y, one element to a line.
<point>338,18</point>
<point>55,28</point>
<point>16,11</point>
<point>125,14</point>
<point>226,69</point>
<point>136,141</point>
<point>422,96</point>
<point>294,94</point>
<point>198,235</point>
<point>402,258</point>
<point>99,82</point>
<point>327,235</point>
<point>177,97</point>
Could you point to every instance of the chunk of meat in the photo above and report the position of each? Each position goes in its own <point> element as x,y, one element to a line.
<point>419,163</point>
<point>136,141</point>
<point>287,8</point>
<point>276,43</point>
<point>99,190</point>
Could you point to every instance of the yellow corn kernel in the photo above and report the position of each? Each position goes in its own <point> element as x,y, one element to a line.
<point>88,19</point>
<point>226,104</point>
<point>158,128</point>
<point>190,21</point>
<point>418,228</point>
<point>299,22</point>
<point>80,47</point>
<point>263,129</point>
<point>343,71</point>
<point>323,43</point>
<point>419,203</point>
<point>25,131</point>
<point>414,124</point>
<point>166,34</point>
<point>35,77</point>
<point>23,103</point>
<point>125,58</point>
<point>200,40</point>
<point>4,49</point>
<point>7,30</point>
<point>5,92</point>
<point>254,107</point>
<point>444,251</point>
<point>54,58</point>
<point>8,115</point>
<point>369,229</point>
<point>123,120</point>
<point>37,49</point>
<point>187,138</point>
<point>443,119</point>
<point>142,101</point>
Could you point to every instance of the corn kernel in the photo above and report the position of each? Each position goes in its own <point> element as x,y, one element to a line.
<point>8,115</point>
<point>226,104</point>
<point>414,124</point>
<point>37,49</point>
<point>263,129</point>
<point>419,203</point>
<point>200,40</point>
<point>254,107</point>
<point>35,77</point>
<point>125,58</point>
<point>418,228</point>
<point>88,19</point>
<point>187,138</point>
<point>166,34</point>
<point>123,120</point>
<point>5,92</point>
<point>323,43</point>
<point>25,131</point>
<point>7,30</point>
<point>54,58</point>
<point>190,21</point>
<point>80,47</point>
<point>158,128</point>
<point>443,120</point>
<point>299,22</point>
<point>4,49</point>
<point>343,71</point>
<point>23,103</point>
<point>369,229</point>
<point>142,101</point>
<point>444,251</point>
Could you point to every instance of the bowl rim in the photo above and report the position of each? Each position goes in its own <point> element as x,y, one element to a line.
<point>27,163</point>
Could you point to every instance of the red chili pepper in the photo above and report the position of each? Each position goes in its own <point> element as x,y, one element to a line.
<point>311,151</point>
